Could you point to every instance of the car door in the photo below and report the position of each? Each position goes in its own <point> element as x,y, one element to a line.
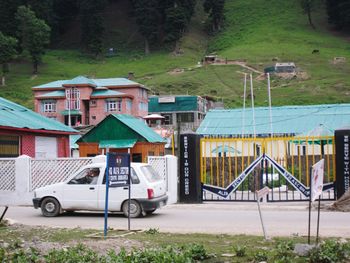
<point>116,195</point>
<point>81,193</point>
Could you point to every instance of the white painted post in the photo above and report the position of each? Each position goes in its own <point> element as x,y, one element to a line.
<point>172,179</point>
<point>23,196</point>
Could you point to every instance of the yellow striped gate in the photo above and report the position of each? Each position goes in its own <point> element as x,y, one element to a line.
<point>233,169</point>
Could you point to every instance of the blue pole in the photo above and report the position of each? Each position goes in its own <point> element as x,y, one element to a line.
<point>106,201</point>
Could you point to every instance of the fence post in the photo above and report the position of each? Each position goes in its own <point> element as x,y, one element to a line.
<point>23,181</point>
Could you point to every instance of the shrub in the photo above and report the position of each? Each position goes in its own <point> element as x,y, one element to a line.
<point>260,256</point>
<point>330,251</point>
<point>241,251</point>
<point>284,252</point>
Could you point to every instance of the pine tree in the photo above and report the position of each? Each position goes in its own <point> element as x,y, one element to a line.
<point>33,33</point>
<point>308,6</point>
<point>92,25</point>
<point>215,9</point>
<point>147,18</point>
<point>7,53</point>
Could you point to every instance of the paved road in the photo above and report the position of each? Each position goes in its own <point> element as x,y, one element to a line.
<point>231,218</point>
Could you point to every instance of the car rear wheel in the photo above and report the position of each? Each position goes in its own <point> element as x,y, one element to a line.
<point>150,211</point>
<point>50,207</point>
<point>135,208</point>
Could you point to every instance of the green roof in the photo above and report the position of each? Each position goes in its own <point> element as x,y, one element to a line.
<point>80,80</point>
<point>17,116</point>
<point>56,93</point>
<point>140,127</point>
<point>285,120</point>
<point>71,112</point>
<point>121,127</point>
<point>182,103</point>
<point>94,82</point>
<point>117,144</point>
<point>106,92</point>
<point>73,139</point>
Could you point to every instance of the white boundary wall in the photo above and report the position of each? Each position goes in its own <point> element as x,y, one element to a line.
<point>19,177</point>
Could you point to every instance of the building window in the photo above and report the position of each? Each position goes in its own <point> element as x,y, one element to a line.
<point>72,99</point>
<point>49,106</point>
<point>185,117</point>
<point>93,103</point>
<point>128,104</point>
<point>168,119</point>
<point>114,105</point>
<point>9,146</point>
<point>143,106</point>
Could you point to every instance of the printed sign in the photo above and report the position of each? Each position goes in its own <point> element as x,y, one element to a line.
<point>317,179</point>
<point>118,169</point>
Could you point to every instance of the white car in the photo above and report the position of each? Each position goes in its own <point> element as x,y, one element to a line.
<point>82,192</point>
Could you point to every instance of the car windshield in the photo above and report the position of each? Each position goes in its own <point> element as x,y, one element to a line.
<point>150,174</point>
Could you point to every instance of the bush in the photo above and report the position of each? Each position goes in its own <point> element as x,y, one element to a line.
<point>241,251</point>
<point>330,251</point>
<point>284,252</point>
<point>260,256</point>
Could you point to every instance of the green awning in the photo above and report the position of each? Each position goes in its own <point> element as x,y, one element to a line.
<point>117,144</point>
<point>72,112</point>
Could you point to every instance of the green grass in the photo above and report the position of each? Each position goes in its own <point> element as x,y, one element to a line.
<point>255,31</point>
<point>220,248</point>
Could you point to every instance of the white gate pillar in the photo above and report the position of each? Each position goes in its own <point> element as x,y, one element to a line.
<point>23,196</point>
<point>172,178</point>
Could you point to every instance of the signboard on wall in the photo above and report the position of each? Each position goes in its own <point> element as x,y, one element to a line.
<point>342,144</point>
<point>190,184</point>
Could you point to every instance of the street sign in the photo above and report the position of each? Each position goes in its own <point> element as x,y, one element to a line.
<point>117,175</point>
<point>118,169</point>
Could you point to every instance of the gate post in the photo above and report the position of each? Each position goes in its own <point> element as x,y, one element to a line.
<point>190,183</point>
<point>342,159</point>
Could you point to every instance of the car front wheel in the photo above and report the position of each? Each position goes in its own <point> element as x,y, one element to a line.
<point>50,207</point>
<point>135,208</point>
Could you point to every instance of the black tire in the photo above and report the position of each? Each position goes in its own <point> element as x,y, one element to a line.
<point>150,211</point>
<point>135,208</point>
<point>50,207</point>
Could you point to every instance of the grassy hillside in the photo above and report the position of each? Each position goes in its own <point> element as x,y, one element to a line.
<point>256,31</point>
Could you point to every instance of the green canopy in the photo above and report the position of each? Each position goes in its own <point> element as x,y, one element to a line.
<point>117,144</point>
<point>72,112</point>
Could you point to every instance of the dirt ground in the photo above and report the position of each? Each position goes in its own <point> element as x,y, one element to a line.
<point>98,244</point>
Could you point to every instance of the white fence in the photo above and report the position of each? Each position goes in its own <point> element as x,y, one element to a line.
<point>19,177</point>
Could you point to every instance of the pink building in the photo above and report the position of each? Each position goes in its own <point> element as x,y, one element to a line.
<point>84,101</point>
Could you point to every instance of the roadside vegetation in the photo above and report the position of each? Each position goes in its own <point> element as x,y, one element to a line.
<point>33,244</point>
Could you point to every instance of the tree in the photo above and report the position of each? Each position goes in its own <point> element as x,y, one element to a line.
<point>33,33</point>
<point>215,9</point>
<point>147,18</point>
<point>175,24</point>
<point>339,13</point>
<point>7,21</point>
<point>308,6</point>
<point>7,53</point>
<point>92,25</point>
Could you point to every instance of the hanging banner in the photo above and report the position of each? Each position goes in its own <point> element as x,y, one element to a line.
<point>317,179</point>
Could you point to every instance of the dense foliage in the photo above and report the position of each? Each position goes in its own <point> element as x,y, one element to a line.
<point>339,13</point>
